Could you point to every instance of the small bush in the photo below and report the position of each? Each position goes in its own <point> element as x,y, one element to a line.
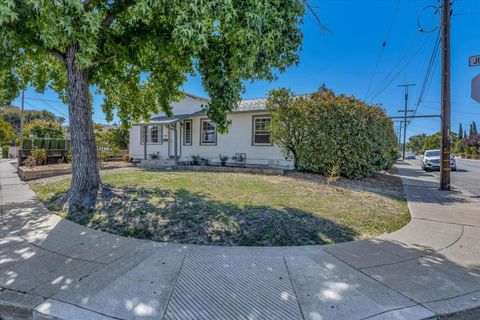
<point>30,161</point>
<point>127,158</point>
<point>5,151</point>
<point>40,155</point>
<point>196,159</point>
<point>69,156</point>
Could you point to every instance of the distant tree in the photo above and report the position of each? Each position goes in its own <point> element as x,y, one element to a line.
<point>474,128</point>
<point>416,143</point>
<point>460,132</point>
<point>470,133</point>
<point>44,129</point>
<point>472,141</point>
<point>464,133</point>
<point>471,145</point>
<point>433,141</point>
<point>7,134</point>
<point>11,114</point>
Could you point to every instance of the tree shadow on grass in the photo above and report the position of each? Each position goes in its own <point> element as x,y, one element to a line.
<point>186,217</point>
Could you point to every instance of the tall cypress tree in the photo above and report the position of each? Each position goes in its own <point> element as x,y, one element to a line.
<point>474,128</point>
<point>471,130</point>
<point>464,133</point>
<point>460,132</point>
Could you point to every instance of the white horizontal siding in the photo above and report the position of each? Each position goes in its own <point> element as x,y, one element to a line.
<point>237,140</point>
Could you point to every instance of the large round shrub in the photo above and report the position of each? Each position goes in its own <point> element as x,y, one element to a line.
<point>341,135</point>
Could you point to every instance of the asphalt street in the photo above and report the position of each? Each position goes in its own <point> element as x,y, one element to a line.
<point>467,176</point>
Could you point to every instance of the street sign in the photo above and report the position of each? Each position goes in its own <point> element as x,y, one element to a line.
<point>474,61</point>
<point>476,88</point>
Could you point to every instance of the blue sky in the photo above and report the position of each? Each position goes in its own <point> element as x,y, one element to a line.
<point>345,58</point>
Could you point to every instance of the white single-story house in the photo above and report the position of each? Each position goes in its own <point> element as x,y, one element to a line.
<point>189,133</point>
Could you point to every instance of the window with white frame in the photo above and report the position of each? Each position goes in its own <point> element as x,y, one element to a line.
<point>154,134</point>
<point>187,132</point>
<point>208,132</point>
<point>261,131</point>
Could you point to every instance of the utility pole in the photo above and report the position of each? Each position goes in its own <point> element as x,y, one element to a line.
<point>445,155</point>
<point>405,112</point>
<point>21,128</point>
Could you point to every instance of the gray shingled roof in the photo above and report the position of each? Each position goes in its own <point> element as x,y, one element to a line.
<point>244,106</point>
<point>252,104</point>
<point>174,118</point>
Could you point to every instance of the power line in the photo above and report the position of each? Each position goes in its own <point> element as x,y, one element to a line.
<point>44,100</point>
<point>384,44</point>
<point>31,105</point>
<point>382,86</point>
<point>431,65</point>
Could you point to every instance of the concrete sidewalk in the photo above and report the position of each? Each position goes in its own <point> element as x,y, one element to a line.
<point>54,269</point>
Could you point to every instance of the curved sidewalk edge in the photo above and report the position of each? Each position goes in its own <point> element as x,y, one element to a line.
<point>54,269</point>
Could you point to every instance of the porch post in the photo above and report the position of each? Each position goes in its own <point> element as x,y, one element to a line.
<point>175,135</point>
<point>145,127</point>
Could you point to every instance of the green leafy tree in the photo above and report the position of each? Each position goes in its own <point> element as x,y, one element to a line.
<point>416,143</point>
<point>44,129</point>
<point>288,122</point>
<point>138,53</point>
<point>7,133</point>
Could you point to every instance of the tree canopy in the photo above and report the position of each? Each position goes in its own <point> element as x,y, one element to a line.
<point>140,52</point>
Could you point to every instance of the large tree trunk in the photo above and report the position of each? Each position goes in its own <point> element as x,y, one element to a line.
<point>85,175</point>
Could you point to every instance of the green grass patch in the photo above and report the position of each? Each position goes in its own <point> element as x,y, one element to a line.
<point>237,209</point>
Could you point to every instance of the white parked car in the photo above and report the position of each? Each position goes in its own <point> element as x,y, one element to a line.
<point>409,155</point>
<point>431,161</point>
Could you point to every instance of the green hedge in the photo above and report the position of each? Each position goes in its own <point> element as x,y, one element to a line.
<point>27,144</point>
<point>47,144</point>
<point>54,144</point>
<point>346,137</point>
<point>61,144</point>
<point>341,135</point>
